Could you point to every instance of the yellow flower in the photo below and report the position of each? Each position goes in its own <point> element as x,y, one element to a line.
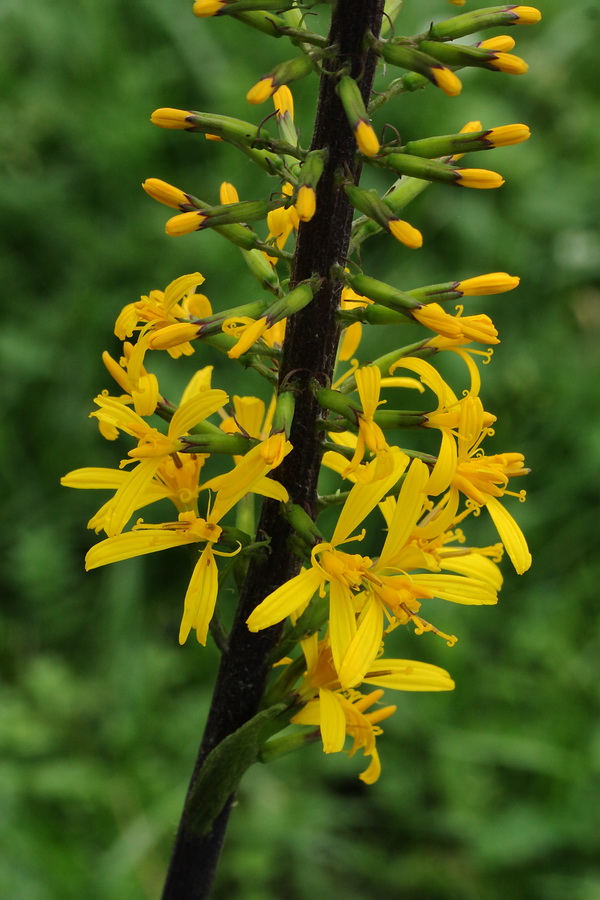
<point>157,312</point>
<point>202,591</point>
<point>370,435</point>
<point>463,468</point>
<point>340,713</point>
<point>341,571</point>
<point>153,448</point>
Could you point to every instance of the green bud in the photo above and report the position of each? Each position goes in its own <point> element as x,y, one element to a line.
<point>263,271</point>
<point>291,303</point>
<point>302,523</point>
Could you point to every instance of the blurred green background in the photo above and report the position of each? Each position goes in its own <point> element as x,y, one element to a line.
<point>489,792</point>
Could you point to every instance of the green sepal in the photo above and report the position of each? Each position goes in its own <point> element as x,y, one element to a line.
<point>437,293</point>
<point>284,413</point>
<point>312,168</point>
<point>354,106</point>
<point>457,55</point>
<point>293,302</point>
<point>227,444</point>
<point>449,144</point>
<point>235,213</point>
<point>337,403</point>
<point>269,23</point>
<point>224,766</point>
<point>406,56</point>
<point>369,203</point>
<point>214,324</point>
<point>471,22</point>
<point>288,744</point>
<point>290,70</point>
<point>399,418</point>
<point>416,167</point>
<point>383,293</point>
<point>374,314</point>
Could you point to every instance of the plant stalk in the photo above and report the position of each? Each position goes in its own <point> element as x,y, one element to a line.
<point>309,352</point>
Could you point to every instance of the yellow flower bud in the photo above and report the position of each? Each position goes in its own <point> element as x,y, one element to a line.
<point>261,91</point>
<point>185,223</point>
<point>509,63</point>
<point>526,15</point>
<point>306,203</point>
<point>366,139</point>
<point>446,80</point>
<point>164,193</point>
<point>479,178</point>
<point>171,118</point>
<point>405,233</point>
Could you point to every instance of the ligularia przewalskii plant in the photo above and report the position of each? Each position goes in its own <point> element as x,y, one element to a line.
<point>306,651</point>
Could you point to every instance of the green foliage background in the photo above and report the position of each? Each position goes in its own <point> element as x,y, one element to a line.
<point>488,793</point>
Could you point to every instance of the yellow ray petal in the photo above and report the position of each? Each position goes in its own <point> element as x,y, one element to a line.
<point>407,512</point>
<point>135,543</point>
<point>92,477</point>
<point>342,621</point>
<point>130,495</point>
<point>364,646</point>
<point>285,600</point>
<point>195,410</point>
<point>363,498</point>
<point>467,591</point>
<point>408,675</point>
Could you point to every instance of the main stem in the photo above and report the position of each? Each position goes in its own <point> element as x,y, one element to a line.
<point>309,352</point>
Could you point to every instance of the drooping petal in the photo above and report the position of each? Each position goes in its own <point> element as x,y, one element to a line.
<point>510,534</point>
<point>200,598</point>
<point>333,722</point>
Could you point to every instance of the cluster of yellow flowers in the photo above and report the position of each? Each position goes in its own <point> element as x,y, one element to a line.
<point>341,604</point>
